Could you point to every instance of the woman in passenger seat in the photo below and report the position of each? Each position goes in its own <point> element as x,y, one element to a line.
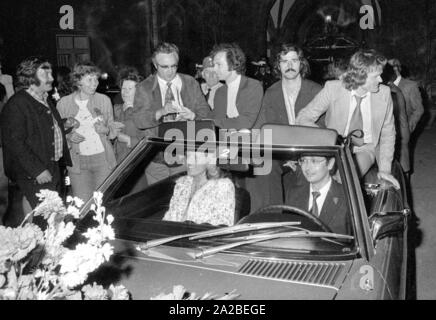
<point>203,195</point>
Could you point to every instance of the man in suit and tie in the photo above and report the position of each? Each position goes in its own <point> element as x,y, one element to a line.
<point>321,195</point>
<point>166,96</point>
<point>237,103</point>
<point>411,93</point>
<point>359,102</point>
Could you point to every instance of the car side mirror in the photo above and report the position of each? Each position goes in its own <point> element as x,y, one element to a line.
<point>383,224</point>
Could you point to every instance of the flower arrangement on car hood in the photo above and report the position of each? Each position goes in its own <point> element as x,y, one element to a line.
<point>35,264</point>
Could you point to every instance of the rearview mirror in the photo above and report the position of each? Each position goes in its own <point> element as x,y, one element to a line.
<point>383,224</point>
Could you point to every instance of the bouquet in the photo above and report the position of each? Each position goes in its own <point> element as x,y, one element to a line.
<point>36,264</point>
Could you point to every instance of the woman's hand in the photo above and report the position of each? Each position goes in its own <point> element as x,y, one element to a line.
<point>76,137</point>
<point>100,128</point>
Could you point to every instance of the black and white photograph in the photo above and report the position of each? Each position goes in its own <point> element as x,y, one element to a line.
<point>240,151</point>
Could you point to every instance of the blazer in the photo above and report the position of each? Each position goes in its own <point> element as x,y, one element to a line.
<point>148,99</point>
<point>248,103</point>
<point>126,117</point>
<point>334,212</point>
<point>334,101</point>
<point>28,137</point>
<point>414,106</point>
<point>274,107</point>
<point>98,104</point>
<point>401,128</point>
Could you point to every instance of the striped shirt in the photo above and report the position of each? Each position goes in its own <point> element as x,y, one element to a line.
<point>58,143</point>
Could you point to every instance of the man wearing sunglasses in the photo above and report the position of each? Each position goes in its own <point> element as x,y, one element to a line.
<point>322,196</point>
<point>166,96</point>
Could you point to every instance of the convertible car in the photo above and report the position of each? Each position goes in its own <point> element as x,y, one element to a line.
<point>273,250</point>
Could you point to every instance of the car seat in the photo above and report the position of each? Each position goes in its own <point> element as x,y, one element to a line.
<point>242,203</point>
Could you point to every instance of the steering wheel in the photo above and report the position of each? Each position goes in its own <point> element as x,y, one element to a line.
<point>284,207</point>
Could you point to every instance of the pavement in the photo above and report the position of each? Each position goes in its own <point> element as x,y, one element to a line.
<point>423,186</point>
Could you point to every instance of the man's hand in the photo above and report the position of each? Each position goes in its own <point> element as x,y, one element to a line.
<point>76,137</point>
<point>186,114</point>
<point>388,177</point>
<point>168,108</point>
<point>122,137</point>
<point>291,164</point>
<point>44,177</point>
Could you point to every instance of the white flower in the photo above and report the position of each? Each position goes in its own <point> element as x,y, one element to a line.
<point>73,211</point>
<point>118,292</point>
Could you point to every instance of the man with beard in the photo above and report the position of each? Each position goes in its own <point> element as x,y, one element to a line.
<point>359,102</point>
<point>284,99</point>
<point>33,136</point>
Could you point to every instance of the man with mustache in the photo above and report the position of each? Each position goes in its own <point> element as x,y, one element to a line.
<point>284,99</point>
<point>33,136</point>
<point>281,104</point>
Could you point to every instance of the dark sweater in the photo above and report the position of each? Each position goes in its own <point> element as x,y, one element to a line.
<point>28,137</point>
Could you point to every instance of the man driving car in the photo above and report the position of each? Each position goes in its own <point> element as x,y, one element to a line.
<point>322,196</point>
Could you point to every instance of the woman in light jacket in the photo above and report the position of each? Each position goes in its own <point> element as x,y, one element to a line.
<point>92,154</point>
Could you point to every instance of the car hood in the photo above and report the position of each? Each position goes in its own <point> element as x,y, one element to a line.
<point>157,270</point>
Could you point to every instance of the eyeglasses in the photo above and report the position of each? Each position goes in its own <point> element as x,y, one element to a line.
<point>174,66</point>
<point>311,161</point>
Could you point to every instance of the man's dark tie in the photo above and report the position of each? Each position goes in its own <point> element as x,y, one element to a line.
<point>169,98</point>
<point>208,94</point>
<point>314,211</point>
<point>356,121</point>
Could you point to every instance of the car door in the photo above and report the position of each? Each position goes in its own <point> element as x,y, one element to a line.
<point>390,257</point>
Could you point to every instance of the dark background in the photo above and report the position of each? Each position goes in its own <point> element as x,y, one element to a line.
<point>124,32</point>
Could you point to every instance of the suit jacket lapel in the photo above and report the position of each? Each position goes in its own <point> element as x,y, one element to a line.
<point>280,107</point>
<point>377,113</point>
<point>330,205</point>
<point>344,109</point>
<point>157,95</point>
<point>302,93</point>
<point>242,85</point>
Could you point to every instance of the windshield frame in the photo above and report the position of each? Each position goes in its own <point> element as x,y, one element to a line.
<point>145,146</point>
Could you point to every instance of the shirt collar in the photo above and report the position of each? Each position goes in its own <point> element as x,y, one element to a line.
<point>41,97</point>
<point>176,81</point>
<point>236,82</point>
<point>324,189</point>
<point>354,93</point>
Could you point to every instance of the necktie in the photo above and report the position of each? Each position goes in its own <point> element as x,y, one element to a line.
<point>314,211</point>
<point>169,98</point>
<point>208,94</point>
<point>356,122</point>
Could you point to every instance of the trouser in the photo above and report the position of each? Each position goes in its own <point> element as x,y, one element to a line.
<point>93,171</point>
<point>30,187</point>
<point>365,158</point>
<point>4,184</point>
<point>156,171</point>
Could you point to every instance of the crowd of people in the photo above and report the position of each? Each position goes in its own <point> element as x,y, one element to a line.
<point>50,128</point>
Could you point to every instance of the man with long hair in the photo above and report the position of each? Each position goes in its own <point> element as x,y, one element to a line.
<point>33,136</point>
<point>237,104</point>
<point>359,102</point>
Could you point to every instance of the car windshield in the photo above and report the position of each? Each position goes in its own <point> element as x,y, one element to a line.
<point>156,193</point>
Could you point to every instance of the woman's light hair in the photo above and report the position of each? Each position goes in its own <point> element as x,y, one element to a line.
<point>82,69</point>
<point>362,63</point>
